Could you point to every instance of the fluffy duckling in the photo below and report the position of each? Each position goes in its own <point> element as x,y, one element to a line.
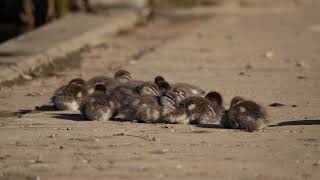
<point>108,82</point>
<point>120,77</point>
<point>163,86</point>
<point>123,76</point>
<point>70,96</point>
<point>141,108</point>
<point>244,114</point>
<point>153,112</point>
<point>99,106</point>
<point>195,110</point>
<point>169,101</point>
<point>126,94</point>
<point>189,90</point>
<point>148,108</point>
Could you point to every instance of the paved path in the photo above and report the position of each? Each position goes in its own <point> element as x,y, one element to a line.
<point>269,55</point>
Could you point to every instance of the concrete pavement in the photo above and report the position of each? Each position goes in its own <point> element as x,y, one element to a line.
<point>269,56</point>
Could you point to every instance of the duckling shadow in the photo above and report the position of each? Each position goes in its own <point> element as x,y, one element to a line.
<point>215,126</point>
<point>70,117</point>
<point>46,107</point>
<point>307,122</point>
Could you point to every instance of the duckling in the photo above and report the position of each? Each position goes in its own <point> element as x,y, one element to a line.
<point>148,88</point>
<point>78,81</point>
<point>120,77</point>
<point>154,111</point>
<point>109,83</point>
<point>195,110</point>
<point>70,96</point>
<point>148,108</point>
<point>131,98</point>
<point>100,105</point>
<point>142,108</point>
<point>126,93</point>
<point>123,76</point>
<point>169,101</point>
<point>188,89</point>
<point>158,79</point>
<point>244,114</point>
<point>163,86</point>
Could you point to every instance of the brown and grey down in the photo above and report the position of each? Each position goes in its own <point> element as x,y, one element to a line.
<point>100,105</point>
<point>70,96</point>
<point>148,108</point>
<point>188,90</point>
<point>195,110</point>
<point>108,82</point>
<point>244,114</point>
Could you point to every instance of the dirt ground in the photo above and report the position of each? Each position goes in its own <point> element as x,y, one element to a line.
<point>271,55</point>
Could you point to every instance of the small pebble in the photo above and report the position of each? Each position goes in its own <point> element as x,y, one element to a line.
<point>302,77</point>
<point>143,168</point>
<point>229,37</point>
<point>248,66</point>
<point>269,54</point>
<point>26,77</point>
<point>132,62</point>
<point>302,64</point>
<point>85,161</point>
<point>200,35</point>
<point>52,135</point>
<point>306,176</point>
<point>118,134</point>
<point>316,163</point>
<point>160,151</point>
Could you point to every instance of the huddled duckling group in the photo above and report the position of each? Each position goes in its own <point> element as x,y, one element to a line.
<point>121,98</point>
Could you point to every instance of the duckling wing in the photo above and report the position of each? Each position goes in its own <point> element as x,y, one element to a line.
<point>192,90</point>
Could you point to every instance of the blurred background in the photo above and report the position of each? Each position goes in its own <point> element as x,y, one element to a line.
<point>19,16</point>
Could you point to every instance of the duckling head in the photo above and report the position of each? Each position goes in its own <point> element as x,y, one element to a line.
<point>101,88</point>
<point>123,76</point>
<point>214,97</point>
<point>148,88</point>
<point>77,81</point>
<point>236,100</point>
<point>168,98</point>
<point>158,79</point>
<point>163,86</point>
